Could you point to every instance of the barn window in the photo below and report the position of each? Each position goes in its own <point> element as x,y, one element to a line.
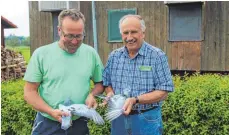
<point>55,24</point>
<point>113,21</point>
<point>185,22</point>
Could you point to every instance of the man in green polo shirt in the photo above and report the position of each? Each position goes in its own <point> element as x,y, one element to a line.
<point>63,70</point>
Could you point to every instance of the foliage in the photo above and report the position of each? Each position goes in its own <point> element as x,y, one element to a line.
<point>199,105</point>
<point>26,41</point>
<point>17,115</point>
<point>99,129</point>
<point>13,41</point>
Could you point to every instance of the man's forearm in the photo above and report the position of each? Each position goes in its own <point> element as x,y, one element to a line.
<point>98,89</point>
<point>152,97</point>
<point>32,97</point>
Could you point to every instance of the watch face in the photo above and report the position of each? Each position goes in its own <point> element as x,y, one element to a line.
<point>137,100</point>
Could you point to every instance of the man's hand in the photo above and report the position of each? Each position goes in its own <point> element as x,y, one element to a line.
<point>90,101</point>
<point>108,96</point>
<point>128,105</point>
<point>57,114</point>
<point>109,93</point>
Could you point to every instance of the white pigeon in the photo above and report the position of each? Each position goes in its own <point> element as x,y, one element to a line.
<point>66,120</point>
<point>115,104</point>
<point>79,110</point>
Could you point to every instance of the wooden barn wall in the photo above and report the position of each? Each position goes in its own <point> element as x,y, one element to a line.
<point>85,8</point>
<point>154,14</point>
<point>41,25</point>
<point>186,55</point>
<point>41,30</point>
<point>210,54</point>
<point>215,47</point>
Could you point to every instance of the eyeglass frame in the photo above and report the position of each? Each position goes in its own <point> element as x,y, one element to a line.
<point>76,36</point>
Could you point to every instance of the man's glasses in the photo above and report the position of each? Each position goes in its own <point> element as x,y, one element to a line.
<point>70,37</point>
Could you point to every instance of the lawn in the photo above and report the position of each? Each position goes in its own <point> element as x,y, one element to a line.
<point>24,50</point>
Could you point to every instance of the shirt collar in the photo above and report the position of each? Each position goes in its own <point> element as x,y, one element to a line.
<point>141,51</point>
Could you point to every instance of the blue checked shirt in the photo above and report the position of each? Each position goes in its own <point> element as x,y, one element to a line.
<point>146,72</point>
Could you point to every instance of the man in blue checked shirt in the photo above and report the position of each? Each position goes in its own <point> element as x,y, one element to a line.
<point>144,69</point>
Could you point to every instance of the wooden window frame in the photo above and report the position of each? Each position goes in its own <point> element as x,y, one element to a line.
<point>201,23</point>
<point>112,29</point>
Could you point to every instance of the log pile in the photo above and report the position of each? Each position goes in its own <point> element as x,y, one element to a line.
<point>13,65</point>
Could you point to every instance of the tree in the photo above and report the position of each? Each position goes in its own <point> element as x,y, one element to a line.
<point>12,41</point>
<point>26,41</point>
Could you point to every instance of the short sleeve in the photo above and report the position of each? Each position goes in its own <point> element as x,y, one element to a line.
<point>34,69</point>
<point>107,72</point>
<point>97,74</point>
<point>163,75</point>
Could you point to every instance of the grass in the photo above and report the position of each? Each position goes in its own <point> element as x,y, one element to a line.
<point>24,50</point>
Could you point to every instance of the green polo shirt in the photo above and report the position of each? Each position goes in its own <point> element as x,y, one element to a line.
<point>63,75</point>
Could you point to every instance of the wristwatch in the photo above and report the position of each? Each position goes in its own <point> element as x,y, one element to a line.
<point>137,100</point>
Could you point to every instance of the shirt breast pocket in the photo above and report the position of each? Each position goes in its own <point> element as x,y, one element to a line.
<point>146,77</point>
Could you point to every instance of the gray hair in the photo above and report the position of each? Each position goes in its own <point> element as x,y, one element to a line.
<point>72,13</point>
<point>143,27</point>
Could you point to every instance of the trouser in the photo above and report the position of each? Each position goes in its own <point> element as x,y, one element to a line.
<point>45,126</point>
<point>147,123</point>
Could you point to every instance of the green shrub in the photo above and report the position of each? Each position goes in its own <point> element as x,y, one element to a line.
<point>99,129</point>
<point>17,115</point>
<point>198,106</point>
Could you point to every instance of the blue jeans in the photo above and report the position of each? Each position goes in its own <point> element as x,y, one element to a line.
<point>45,126</point>
<point>147,123</point>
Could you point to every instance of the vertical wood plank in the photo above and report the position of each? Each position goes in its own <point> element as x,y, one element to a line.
<point>153,30</point>
<point>203,44</point>
<point>221,32</point>
<point>174,56</point>
<point>218,55</point>
<point>211,37</point>
<point>161,28</point>
<point>181,47</point>
<point>166,43</point>
<point>151,23</point>
<point>226,35</point>
<point>147,5</point>
<point>31,23</point>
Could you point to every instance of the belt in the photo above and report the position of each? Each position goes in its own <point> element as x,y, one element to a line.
<point>133,112</point>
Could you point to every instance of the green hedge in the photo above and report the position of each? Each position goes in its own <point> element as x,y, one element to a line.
<point>17,116</point>
<point>199,105</point>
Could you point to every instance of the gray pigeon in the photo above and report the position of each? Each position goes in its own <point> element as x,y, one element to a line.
<point>79,110</point>
<point>115,104</point>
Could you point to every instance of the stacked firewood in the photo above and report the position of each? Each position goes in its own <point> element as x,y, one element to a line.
<point>13,65</point>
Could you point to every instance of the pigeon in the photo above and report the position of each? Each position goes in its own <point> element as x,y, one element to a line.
<point>115,104</point>
<point>79,110</point>
<point>66,120</point>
